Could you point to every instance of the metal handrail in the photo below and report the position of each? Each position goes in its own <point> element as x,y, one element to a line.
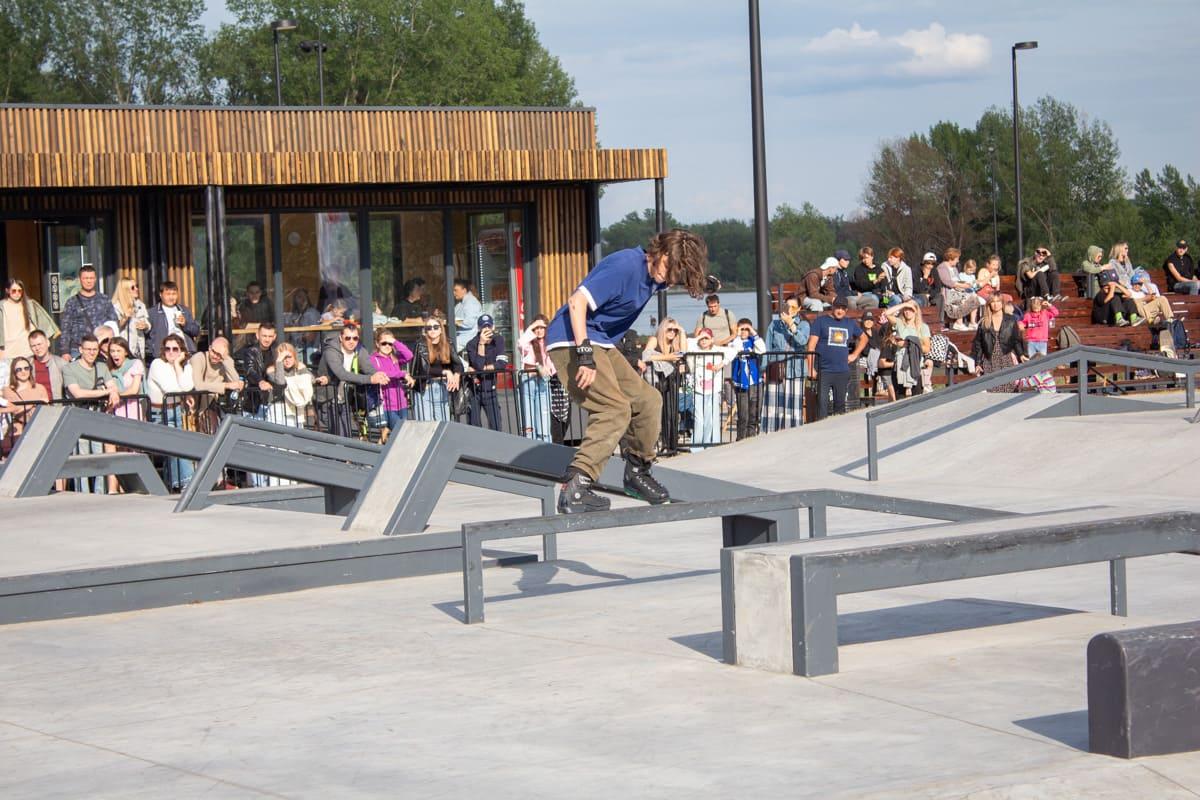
<point>1078,355</point>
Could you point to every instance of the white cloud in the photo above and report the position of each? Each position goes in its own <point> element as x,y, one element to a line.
<point>930,53</point>
<point>840,38</point>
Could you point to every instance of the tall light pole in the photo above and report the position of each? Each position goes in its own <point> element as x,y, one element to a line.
<point>761,252</point>
<point>992,175</point>
<point>310,45</point>
<point>277,27</point>
<point>1017,144</point>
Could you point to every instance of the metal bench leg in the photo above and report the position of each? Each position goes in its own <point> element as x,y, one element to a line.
<point>1118,599</point>
<point>817,523</point>
<point>549,509</point>
<point>814,620</point>
<point>472,554</point>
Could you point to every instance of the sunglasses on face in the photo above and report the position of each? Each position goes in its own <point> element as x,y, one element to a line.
<point>171,350</point>
<point>433,327</point>
<point>349,338</point>
<point>21,369</point>
<point>386,344</point>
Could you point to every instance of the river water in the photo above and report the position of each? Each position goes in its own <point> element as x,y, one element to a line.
<point>687,311</point>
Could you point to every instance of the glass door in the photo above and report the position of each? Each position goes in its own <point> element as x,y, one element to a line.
<point>69,245</point>
<point>496,263</point>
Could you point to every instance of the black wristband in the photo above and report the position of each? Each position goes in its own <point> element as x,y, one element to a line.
<point>584,355</point>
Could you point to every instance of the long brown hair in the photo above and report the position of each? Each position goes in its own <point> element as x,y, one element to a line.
<point>439,353</point>
<point>687,258</point>
<point>28,326</point>
<point>12,374</point>
<point>539,342</point>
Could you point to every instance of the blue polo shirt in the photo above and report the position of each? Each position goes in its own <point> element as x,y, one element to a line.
<point>836,339</point>
<point>617,290</point>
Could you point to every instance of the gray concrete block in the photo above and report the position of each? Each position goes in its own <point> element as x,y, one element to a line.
<point>1144,691</point>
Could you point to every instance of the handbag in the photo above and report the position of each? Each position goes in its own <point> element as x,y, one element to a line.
<point>777,371</point>
<point>460,399</point>
<point>560,402</point>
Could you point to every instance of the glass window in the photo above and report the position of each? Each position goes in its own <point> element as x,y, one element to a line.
<point>487,252</point>
<point>320,263</point>
<point>248,258</point>
<point>408,274</point>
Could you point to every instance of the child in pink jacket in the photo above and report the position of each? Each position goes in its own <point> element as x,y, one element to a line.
<point>1036,324</point>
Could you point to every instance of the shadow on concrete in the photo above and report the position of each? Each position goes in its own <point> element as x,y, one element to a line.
<point>902,622</point>
<point>937,616</point>
<point>535,581</point>
<point>1069,727</point>
<point>846,470</point>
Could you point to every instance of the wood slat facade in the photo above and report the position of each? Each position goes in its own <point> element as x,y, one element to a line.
<point>144,170</point>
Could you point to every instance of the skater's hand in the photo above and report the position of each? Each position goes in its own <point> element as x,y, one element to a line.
<point>584,376</point>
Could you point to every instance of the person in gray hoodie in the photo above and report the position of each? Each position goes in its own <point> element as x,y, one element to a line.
<point>1092,266</point>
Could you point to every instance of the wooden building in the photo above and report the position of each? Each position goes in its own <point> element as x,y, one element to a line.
<point>311,204</point>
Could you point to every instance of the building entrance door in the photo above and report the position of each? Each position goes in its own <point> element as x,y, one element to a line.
<point>67,245</point>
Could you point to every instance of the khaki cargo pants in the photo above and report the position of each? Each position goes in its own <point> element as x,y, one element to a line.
<point>622,408</point>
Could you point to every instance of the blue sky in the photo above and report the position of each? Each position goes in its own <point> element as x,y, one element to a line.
<point>840,78</point>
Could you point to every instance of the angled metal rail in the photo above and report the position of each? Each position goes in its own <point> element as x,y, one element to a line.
<point>1079,356</point>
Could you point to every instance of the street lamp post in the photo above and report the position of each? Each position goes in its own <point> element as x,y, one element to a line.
<point>277,27</point>
<point>309,46</point>
<point>992,175</point>
<point>761,252</point>
<point>1017,145</point>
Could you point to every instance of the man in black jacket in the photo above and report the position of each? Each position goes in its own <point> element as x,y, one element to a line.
<point>868,280</point>
<point>1181,270</point>
<point>252,362</point>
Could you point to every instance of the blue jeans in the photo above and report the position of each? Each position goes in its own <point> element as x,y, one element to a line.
<point>1186,287</point>
<point>432,403</point>
<point>1033,348</point>
<point>706,416</point>
<point>394,418</point>
<point>535,407</point>
<point>179,470</point>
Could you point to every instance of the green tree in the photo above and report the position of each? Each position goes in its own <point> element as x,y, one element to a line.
<point>633,230</point>
<point>730,250</point>
<point>25,30</point>
<point>131,51</point>
<point>800,240</point>
<point>388,52</point>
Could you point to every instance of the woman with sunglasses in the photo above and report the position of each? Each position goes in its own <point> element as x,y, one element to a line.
<point>169,374</point>
<point>21,315</point>
<point>664,352</point>
<point>133,318</point>
<point>536,371</point>
<point>436,372</point>
<point>389,403</point>
<point>22,391</point>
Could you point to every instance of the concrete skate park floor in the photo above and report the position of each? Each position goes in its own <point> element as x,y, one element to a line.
<point>599,675</point>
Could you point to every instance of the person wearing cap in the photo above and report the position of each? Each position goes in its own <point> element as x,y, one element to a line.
<point>1151,305</point>
<point>816,288</point>
<point>486,355</point>
<point>1038,275</point>
<point>834,343</point>
<point>843,285</point>
<point>707,363</point>
<point>925,283</point>
<point>1181,270</point>
<point>1113,304</point>
<point>582,337</point>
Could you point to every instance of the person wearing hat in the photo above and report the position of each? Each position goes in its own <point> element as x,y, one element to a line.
<point>837,342</point>
<point>1149,302</point>
<point>1181,270</point>
<point>816,288</point>
<point>1038,275</point>
<point>486,355</point>
<point>707,363</point>
<point>925,283</point>
<point>622,408</point>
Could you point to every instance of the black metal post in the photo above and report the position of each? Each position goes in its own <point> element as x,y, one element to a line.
<point>1017,145</point>
<point>660,225</point>
<point>992,174</point>
<point>278,83</point>
<point>761,253</point>
<point>321,70</point>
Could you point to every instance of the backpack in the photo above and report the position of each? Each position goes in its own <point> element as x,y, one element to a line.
<point>1180,335</point>
<point>1067,337</point>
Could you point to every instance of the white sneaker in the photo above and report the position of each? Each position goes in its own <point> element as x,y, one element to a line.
<point>958,326</point>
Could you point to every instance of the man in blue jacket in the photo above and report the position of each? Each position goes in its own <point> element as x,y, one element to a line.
<point>582,340</point>
<point>486,355</point>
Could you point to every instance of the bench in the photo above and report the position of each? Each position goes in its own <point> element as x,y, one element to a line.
<point>744,521</point>
<point>779,603</point>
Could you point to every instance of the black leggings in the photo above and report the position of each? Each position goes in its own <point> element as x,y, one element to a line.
<point>1106,313</point>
